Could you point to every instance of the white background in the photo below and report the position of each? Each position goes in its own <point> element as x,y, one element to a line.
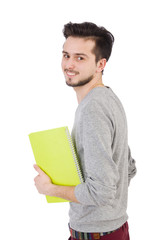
<point>34,97</point>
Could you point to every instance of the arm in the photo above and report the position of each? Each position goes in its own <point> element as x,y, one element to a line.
<point>45,186</point>
<point>131,166</point>
<point>101,172</point>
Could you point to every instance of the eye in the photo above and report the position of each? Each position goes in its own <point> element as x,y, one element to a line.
<point>66,56</point>
<point>80,58</point>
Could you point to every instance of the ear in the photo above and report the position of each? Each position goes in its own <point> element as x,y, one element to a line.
<point>101,64</point>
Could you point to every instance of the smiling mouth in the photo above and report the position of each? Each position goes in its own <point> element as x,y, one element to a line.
<point>71,73</point>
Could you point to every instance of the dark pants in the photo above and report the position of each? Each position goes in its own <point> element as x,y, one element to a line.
<point>121,234</point>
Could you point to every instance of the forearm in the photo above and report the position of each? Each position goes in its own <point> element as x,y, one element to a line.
<point>45,186</point>
<point>65,192</point>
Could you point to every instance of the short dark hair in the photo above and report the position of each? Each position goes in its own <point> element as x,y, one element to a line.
<point>103,38</point>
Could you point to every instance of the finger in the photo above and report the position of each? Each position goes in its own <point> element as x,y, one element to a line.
<point>38,169</point>
<point>36,178</point>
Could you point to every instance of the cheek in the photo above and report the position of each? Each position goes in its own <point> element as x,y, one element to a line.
<point>90,69</point>
<point>63,64</point>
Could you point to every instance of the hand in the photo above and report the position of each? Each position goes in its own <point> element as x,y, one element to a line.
<point>45,186</point>
<point>42,181</point>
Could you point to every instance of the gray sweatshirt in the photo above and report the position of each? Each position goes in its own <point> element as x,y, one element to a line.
<point>100,137</point>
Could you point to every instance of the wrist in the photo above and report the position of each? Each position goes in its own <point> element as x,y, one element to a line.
<point>51,189</point>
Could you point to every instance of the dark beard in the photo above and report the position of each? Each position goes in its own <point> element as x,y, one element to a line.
<point>80,83</point>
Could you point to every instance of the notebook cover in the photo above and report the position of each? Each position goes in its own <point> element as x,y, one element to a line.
<point>54,156</point>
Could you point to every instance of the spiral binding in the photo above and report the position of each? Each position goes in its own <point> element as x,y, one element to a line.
<point>74,155</point>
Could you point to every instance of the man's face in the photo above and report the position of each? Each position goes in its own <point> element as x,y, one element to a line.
<point>78,61</point>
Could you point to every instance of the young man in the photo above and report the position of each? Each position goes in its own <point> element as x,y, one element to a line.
<point>98,206</point>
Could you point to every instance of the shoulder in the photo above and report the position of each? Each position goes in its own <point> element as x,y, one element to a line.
<point>96,110</point>
<point>97,101</point>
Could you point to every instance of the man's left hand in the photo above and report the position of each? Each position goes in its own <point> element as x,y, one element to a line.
<point>42,181</point>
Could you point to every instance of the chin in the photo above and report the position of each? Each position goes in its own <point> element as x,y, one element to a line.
<point>78,83</point>
<point>71,84</point>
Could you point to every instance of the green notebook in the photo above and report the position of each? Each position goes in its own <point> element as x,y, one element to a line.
<point>55,154</point>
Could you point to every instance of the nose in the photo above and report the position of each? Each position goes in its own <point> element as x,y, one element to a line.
<point>70,63</point>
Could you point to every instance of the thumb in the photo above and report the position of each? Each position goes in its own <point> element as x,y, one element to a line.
<point>38,169</point>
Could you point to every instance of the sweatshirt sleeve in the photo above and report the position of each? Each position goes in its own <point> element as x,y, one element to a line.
<point>101,172</point>
<point>131,166</point>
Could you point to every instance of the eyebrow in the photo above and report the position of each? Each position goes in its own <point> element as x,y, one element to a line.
<point>78,54</point>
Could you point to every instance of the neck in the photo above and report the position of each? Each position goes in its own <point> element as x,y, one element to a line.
<point>82,91</point>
